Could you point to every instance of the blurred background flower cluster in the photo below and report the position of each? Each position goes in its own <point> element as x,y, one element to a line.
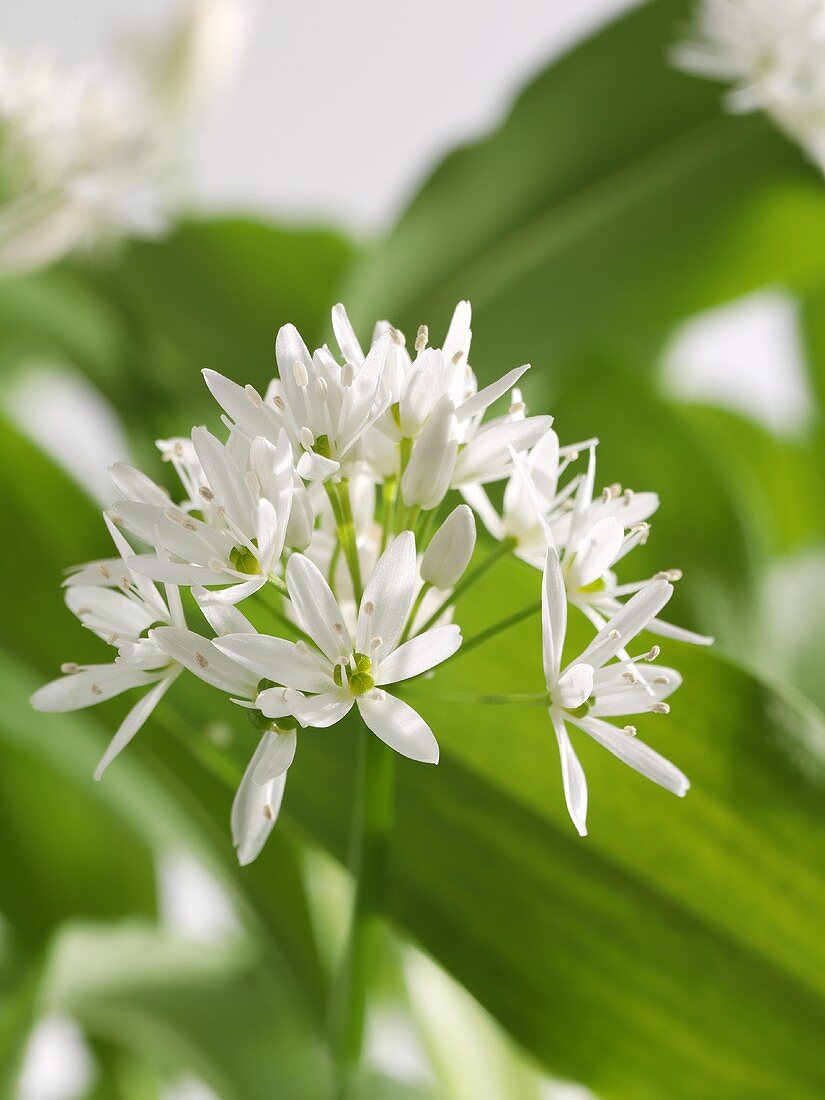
<point>178,182</point>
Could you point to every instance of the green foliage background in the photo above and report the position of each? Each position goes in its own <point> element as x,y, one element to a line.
<point>676,954</point>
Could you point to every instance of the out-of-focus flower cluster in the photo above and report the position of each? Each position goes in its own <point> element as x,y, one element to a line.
<point>333,505</point>
<point>92,153</point>
<point>772,52</point>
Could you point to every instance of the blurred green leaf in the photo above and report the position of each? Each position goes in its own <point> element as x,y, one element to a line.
<point>779,483</point>
<point>615,199</point>
<point>214,1011</point>
<point>214,294</point>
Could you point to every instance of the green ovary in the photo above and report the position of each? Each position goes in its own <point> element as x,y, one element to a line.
<point>244,561</point>
<point>359,678</point>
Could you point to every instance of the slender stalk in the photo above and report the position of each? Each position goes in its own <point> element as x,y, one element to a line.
<point>342,510</point>
<point>389,494</point>
<point>372,823</point>
<point>497,628</point>
<point>416,607</point>
<point>467,581</point>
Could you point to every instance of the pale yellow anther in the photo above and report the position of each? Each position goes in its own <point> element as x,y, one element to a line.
<point>253,395</point>
<point>300,373</point>
<point>206,493</point>
<point>422,337</point>
<point>69,667</point>
<point>200,660</point>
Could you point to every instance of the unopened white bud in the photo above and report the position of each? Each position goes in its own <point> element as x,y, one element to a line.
<point>301,518</point>
<point>450,549</point>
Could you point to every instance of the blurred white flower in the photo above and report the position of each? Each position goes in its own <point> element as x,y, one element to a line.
<point>92,153</point>
<point>594,687</point>
<point>772,52</point>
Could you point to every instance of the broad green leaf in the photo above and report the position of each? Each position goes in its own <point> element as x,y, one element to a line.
<point>215,1011</point>
<point>615,199</point>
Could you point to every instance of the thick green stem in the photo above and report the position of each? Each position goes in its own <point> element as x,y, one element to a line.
<point>469,579</point>
<point>372,822</point>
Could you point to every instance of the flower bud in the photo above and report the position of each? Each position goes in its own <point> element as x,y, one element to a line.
<point>450,550</point>
<point>427,477</point>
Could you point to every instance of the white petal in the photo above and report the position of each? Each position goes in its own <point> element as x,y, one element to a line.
<point>255,809</point>
<point>253,419</point>
<point>553,617</point>
<point>277,702</point>
<point>430,470</point>
<point>223,618</point>
<point>389,592</point>
<point>459,333</point>
<point>419,654</point>
<point>398,726</point>
<point>276,659</point>
<point>345,336</point>
<point>596,551</point>
<point>321,711</point>
<point>677,633</point>
<point>91,685</point>
<point>478,500</point>
<point>487,458</point>
<point>312,467</point>
<point>634,617</point>
<point>276,757</point>
<point>636,753</point>
<point>573,778</point>
<point>134,485</point>
<point>133,721</point>
<point>172,572</point>
<point>574,687</point>
<point>225,479</point>
<point>482,400</point>
<point>316,607</point>
<point>108,612</point>
<point>205,660</point>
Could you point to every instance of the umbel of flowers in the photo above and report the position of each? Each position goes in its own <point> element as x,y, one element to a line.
<point>327,501</point>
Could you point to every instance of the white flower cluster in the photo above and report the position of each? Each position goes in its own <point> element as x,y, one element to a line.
<point>324,510</point>
<point>91,153</point>
<point>772,52</point>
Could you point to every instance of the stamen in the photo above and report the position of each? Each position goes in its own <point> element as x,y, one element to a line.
<point>347,375</point>
<point>398,337</point>
<point>651,654</point>
<point>669,575</point>
<point>517,408</point>
<point>300,374</point>
<point>200,660</point>
<point>188,525</point>
<point>217,566</point>
<point>125,584</point>
<point>456,359</point>
<point>630,731</point>
<point>253,395</point>
<point>321,389</point>
<point>422,337</point>
<point>660,680</point>
<point>660,708</point>
<point>206,493</point>
<point>615,635</point>
<point>307,438</point>
<point>278,402</point>
<point>369,608</point>
<point>81,611</point>
<point>628,496</point>
<point>631,677</point>
<point>104,572</point>
<point>376,642</point>
<point>302,647</point>
<point>112,639</point>
<point>269,813</point>
<point>338,628</point>
<point>69,667</point>
<point>95,690</point>
<point>174,515</point>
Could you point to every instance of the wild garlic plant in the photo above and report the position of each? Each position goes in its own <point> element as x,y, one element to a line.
<point>334,502</point>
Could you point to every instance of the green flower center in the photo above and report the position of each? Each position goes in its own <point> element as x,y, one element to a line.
<point>598,585</point>
<point>358,673</point>
<point>322,446</point>
<point>243,560</point>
